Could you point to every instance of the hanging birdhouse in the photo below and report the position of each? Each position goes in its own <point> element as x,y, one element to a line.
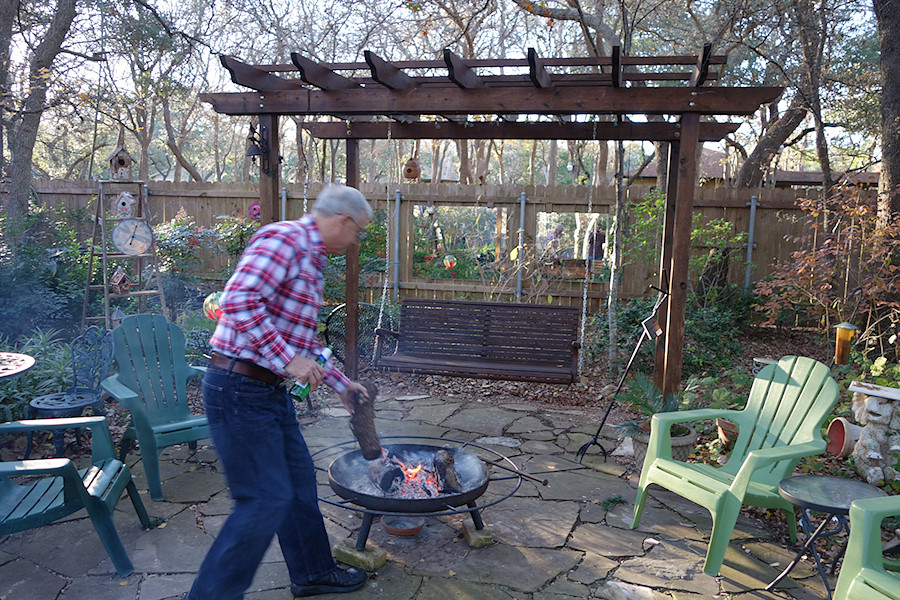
<point>120,161</point>
<point>120,281</point>
<point>125,205</point>
<point>411,168</point>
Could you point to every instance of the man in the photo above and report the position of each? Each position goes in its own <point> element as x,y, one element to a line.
<point>267,334</point>
<point>551,243</point>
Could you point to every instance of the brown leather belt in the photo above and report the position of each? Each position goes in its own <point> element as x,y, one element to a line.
<point>243,367</point>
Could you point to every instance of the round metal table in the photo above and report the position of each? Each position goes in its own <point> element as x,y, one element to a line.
<point>14,363</point>
<point>825,494</point>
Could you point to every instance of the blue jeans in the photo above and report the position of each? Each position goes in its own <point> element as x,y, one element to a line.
<point>273,484</point>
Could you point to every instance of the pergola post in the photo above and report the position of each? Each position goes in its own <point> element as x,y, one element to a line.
<point>351,274</point>
<point>681,250</point>
<point>269,169</point>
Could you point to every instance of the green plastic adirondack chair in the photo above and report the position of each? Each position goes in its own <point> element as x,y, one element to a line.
<point>151,383</point>
<point>38,502</point>
<point>780,424</point>
<point>863,576</point>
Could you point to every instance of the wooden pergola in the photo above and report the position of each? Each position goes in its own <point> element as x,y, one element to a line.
<point>531,98</point>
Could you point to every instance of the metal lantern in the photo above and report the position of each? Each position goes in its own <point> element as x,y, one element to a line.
<point>845,333</point>
<point>212,306</point>
<point>449,262</point>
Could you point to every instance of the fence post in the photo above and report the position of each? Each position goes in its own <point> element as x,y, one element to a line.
<point>751,234</point>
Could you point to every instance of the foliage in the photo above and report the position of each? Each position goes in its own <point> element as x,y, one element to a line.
<point>845,270</point>
<point>644,397</point>
<point>51,373</point>
<point>44,275</point>
<point>233,235</point>
<point>861,368</point>
<point>179,244</point>
<point>645,232</point>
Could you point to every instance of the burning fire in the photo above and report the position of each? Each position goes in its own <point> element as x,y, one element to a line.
<point>420,483</point>
<point>404,480</point>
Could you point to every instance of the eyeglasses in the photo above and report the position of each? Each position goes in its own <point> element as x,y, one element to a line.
<point>361,234</point>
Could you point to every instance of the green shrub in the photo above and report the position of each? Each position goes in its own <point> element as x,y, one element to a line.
<point>51,373</point>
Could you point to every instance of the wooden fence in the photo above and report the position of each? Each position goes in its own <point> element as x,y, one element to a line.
<point>777,218</point>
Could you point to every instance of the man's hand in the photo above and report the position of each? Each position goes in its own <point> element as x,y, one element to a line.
<point>306,371</point>
<point>348,396</point>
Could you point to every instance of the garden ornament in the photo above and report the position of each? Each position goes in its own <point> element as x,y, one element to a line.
<point>878,440</point>
<point>125,205</point>
<point>254,211</point>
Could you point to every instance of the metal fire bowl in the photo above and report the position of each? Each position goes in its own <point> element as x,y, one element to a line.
<point>348,477</point>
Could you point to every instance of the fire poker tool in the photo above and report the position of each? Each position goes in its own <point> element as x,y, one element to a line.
<point>362,423</point>
<point>543,482</point>
<point>650,329</point>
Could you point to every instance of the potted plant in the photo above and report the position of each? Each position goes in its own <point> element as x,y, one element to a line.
<point>649,400</point>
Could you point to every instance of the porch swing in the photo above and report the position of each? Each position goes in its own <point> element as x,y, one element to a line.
<point>486,340</point>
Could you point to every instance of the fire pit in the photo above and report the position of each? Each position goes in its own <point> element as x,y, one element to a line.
<point>414,479</point>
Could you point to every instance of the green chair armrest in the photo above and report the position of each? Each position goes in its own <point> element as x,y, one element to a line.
<point>866,515</point>
<point>759,459</point>
<point>118,390</point>
<point>44,466</point>
<point>102,446</point>
<point>685,416</point>
<point>50,424</point>
<point>200,370</point>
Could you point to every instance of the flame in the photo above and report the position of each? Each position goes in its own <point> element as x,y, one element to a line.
<point>420,482</point>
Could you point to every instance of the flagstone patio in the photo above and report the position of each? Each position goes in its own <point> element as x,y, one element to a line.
<point>570,539</point>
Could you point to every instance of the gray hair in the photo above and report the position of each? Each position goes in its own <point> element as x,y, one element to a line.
<point>337,199</point>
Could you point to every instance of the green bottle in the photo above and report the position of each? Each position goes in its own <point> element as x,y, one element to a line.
<point>300,391</point>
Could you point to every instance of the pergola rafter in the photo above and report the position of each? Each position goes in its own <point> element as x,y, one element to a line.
<point>534,97</point>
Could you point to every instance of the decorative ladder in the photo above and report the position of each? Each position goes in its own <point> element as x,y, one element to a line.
<point>144,266</point>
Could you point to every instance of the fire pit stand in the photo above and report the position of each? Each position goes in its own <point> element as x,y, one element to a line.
<point>371,506</point>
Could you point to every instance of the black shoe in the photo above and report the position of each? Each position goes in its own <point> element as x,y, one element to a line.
<point>336,582</point>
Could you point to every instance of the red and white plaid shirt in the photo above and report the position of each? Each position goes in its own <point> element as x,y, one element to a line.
<point>271,302</point>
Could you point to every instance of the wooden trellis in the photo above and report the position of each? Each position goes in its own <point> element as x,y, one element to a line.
<point>533,98</point>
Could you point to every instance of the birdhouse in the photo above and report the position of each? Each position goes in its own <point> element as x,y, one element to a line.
<point>120,281</point>
<point>120,161</point>
<point>411,168</point>
<point>125,205</point>
<point>254,211</point>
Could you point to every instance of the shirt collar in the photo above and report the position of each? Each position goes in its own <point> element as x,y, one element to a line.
<point>317,246</point>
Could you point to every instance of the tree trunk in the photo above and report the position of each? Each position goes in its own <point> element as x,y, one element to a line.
<point>754,168</point>
<point>465,168</point>
<point>662,164</point>
<point>8,10</point>
<point>888,15</point>
<point>26,129</point>
<point>175,147</point>
<point>552,157</point>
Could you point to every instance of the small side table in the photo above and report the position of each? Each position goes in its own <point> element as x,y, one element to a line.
<point>825,494</point>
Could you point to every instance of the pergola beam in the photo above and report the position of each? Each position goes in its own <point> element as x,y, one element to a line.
<point>320,76</point>
<point>538,74</point>
<point>387,74</point>
<point>499,130</point>
<point>533,101</point>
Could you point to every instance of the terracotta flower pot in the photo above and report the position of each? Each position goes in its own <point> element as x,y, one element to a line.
<point>842,437</point>
<point>728,432</point>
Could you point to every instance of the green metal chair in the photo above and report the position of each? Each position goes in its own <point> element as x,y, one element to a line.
<point>863,575</point>
<point>151,383</point>
<point>37,502</point>
<point>780,424</point>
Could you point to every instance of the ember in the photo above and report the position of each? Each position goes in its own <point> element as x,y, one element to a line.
<point>401,480</point>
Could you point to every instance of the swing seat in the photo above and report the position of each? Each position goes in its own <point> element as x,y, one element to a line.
<point>485,340</point>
